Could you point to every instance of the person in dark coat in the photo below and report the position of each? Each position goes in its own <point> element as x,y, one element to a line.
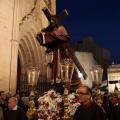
<point>116,111</point>
<point>1,114</point>
<point>88,110</point>
<point>25,105</point>
<point>14,112</point>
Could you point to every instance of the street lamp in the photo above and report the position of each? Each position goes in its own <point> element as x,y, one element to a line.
<point>96,74</point>
<point>32,75</point>
<point>66,69</point>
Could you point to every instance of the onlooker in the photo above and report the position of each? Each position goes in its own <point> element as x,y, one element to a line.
<point>17,95</point>
<point>88,110</point>
<point>1,110</point>
<point>25,101</point>
<point>14,112</point>
<point>3,95</point>
<point>25,104</point>
<point>3,103</point>
<point>8,96</point>
<point>107,105</point>
<point>116,110</point>
<point>114,100</point>
<point>1,114</point>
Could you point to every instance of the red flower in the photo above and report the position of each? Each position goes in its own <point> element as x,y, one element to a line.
<point>52,96</point>
<point>53,117</point>
<point>60,113</point>
<point>40,116</point>
<point>48,112</point>
<point>39,103</point>
<point>75,100</point>
<point>59,104</point>
<point>36,114</point>
<point>44,116</point>
<point>47,104</point>
<point>72,103</point>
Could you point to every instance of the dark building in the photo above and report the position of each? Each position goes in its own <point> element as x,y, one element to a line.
<point>101,55</point>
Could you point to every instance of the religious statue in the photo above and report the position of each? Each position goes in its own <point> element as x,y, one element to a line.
<point>56,39</point>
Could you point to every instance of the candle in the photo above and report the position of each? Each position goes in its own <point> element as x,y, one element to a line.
<point>96,77</point>
<point>66,75</point>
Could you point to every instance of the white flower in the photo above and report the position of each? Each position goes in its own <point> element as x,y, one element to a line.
<point>51,105</point>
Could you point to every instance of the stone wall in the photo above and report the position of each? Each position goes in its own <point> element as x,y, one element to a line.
<point>20,21</point>
<point>87,61</point>
<point>6,34</point>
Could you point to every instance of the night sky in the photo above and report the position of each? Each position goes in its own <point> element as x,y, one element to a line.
<point>99,19</point>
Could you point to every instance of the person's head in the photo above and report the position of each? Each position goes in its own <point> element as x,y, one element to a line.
<point>84,94</point>
<point>25,100</point>
<point>114,100</point>
<point>3,95</point>
<point>55,21</point>
<point>8,95</point>
<point>0,100</point>
<point>17,96</point>
<point>12,102</point>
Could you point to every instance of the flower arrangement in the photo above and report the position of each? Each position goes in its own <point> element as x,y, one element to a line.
<point>51,105</point>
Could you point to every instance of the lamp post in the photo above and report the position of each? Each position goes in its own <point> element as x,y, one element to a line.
<point>32,75</point>
<point>96,74</point>
<point>66,69</point>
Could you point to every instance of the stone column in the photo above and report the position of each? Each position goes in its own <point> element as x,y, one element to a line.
<point>13,66</point>
<point>14,47</point>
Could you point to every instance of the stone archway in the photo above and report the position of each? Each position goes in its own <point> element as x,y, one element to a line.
<point>31,54</point>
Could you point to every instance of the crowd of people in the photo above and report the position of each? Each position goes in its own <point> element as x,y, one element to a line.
<point>15,107</point>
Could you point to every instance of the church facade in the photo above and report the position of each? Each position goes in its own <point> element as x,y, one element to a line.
<point>20,21</point>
